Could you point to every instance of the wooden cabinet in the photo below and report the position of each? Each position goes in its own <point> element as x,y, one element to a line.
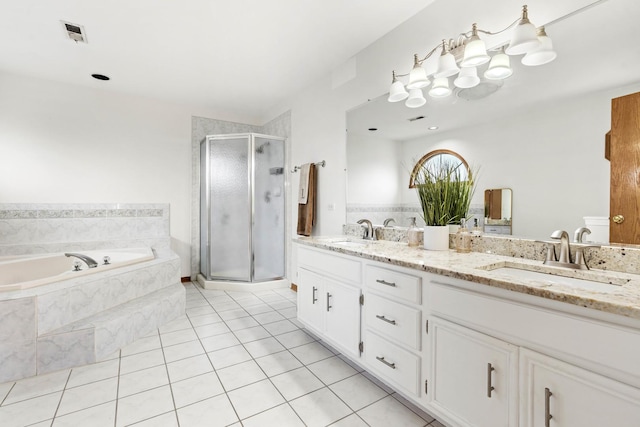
<point>557,394</point>
<point>473,376</point>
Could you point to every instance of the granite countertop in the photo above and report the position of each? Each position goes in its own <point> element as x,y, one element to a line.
<point>621,295</point>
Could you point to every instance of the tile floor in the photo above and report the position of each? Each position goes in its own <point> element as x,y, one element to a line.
<point>235,359</point>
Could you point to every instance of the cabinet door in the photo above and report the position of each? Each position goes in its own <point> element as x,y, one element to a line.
<point>557,394</point>
<point>310,299</point>
<point>473,376</point>
<point>342,305</point>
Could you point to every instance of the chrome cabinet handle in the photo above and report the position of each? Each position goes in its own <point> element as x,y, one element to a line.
<point>383,282</point>
<point>328,296</point>
<point>547,410</point>
<point>384,319</point>
<point>391,365</point>
<point>490,388</point>
<point>313,295</point>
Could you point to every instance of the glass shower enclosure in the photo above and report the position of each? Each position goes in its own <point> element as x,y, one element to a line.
<point>242,208</point>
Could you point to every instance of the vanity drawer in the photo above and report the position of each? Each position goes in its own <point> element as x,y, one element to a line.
<point>394,283</point>
<point>393,320</point>
<point>337,266</point>
<point>399,366</point>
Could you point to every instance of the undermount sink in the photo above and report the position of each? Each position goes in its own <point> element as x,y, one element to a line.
<point>549,276</point>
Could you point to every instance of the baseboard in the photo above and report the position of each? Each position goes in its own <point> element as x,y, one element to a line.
<point>294,287</point>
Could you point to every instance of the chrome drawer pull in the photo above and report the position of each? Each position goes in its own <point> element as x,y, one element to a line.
<point>313,295</point>
<point>490,388</point>
<point>391,365</point>
<point>384,319</point>
<point>383,282</point>
<point>547,410</point>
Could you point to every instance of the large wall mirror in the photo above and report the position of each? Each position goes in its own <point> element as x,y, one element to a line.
<point>541,134</point>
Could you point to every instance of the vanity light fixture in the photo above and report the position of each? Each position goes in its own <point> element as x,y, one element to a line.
<point>461,57</point>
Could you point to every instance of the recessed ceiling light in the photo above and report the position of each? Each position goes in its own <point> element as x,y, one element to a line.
<point>373,129</point>
<point>100,76</point>
<point>433,128</point>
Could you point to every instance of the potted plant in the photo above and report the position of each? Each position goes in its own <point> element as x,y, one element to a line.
<point>445,189</point>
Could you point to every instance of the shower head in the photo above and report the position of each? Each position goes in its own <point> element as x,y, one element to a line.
<point>260,149</point>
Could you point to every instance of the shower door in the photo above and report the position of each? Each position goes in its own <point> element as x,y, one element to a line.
<point>242,208</point>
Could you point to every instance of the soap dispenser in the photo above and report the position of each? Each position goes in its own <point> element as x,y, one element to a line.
<point>463,238</point>
<point>413,238</point>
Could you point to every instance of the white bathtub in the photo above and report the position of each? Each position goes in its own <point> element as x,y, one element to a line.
<point>28,271</point>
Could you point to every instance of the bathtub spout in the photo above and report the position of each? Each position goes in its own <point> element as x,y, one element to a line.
<point>91,263</point>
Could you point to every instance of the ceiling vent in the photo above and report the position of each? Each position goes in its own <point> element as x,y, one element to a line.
<point>75,32</point>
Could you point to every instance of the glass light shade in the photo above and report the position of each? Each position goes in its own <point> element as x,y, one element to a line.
<point>499,67</point>
<point>416,99</point>
<point>418,78</point>
<point>446,66</point>
<point>440,88</point>
<point>397,92</point>
<point>543,55</point>
<point>475,53</point>
<point>467,78</point>
<point>524,40</point>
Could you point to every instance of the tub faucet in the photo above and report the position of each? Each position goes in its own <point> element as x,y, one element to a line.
<point>579,234</point>
<point>369,233</point>
<point>91,263</point>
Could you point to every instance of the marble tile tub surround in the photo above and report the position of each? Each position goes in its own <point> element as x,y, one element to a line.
<point>621,299</point>
<point>31,228</point>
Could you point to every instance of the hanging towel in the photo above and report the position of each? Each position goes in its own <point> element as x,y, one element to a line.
<point>307,210</point>
<point>303,190</point>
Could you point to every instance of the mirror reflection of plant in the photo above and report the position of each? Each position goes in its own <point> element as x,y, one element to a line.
<point>445,189</point>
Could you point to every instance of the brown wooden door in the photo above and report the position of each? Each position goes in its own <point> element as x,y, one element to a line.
<point>624,214</point>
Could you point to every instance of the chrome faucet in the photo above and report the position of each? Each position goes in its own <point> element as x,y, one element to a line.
<point>369,232</point>
<point>565,249</point>
<point>579,234</point>
<point>91,263</point>
<point>388,221</point>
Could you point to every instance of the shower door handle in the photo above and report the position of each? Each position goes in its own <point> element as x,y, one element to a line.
<point>313,295</point>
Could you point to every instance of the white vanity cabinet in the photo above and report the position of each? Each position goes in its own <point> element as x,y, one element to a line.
<point>474,377</point>
<point>329,297</point>
<point>557,394</point>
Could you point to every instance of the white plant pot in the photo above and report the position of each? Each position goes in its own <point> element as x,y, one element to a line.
<point>436,237</point>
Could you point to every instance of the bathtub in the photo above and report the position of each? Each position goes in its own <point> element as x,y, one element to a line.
<point>29,271</point>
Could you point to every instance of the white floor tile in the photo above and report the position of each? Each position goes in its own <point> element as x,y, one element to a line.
<point>281,305</point>
<point>142,345</point>
<point>141,406</point>
<point>389,411</point>
<point>289,313</point>
<point>233,314</point>
<point>268,317</point>
<point>142,380</point>
<point>252,334</point>
<point>5,388</point>
<point>296,383</point>
<point>422,414</point>
<point>178,337</point>
<point>190,367</point>
<point>240,375</point>
<point>277,363</point>
<point>310,353</point>
<point>139,361</point>
<point>30,411</point>
<point>168,419</point>
<point>263,347</point>
<point>357,391</point>
<point>37,386</point>
<point>296,322</point>
<point>295,338</point>
<point>280,327</point>
<point>103,415</point>
<point>88,395</point>
<point>352,420</point>
<point>218,342</point>
<point>257,309</point>
<point>225,306</point>
<point>94,372</point>
<point>228,356</point>
<point>255,398</point>
<point>331,370</point>
<point>280,416</point>
<point>205,319</point>
<point>182,351</point>
<point>320,408</point>
<point>211,329</point>
<point>199,311</point>
<point>271,297</point>
<point>195,389</point>
<point>215,411</point>
<point>241,323</point>
<point>175,325</point>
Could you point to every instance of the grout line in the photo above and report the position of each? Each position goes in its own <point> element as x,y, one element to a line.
<point>61,397</point>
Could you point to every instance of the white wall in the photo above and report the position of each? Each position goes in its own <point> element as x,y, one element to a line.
<point>61,143</point>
